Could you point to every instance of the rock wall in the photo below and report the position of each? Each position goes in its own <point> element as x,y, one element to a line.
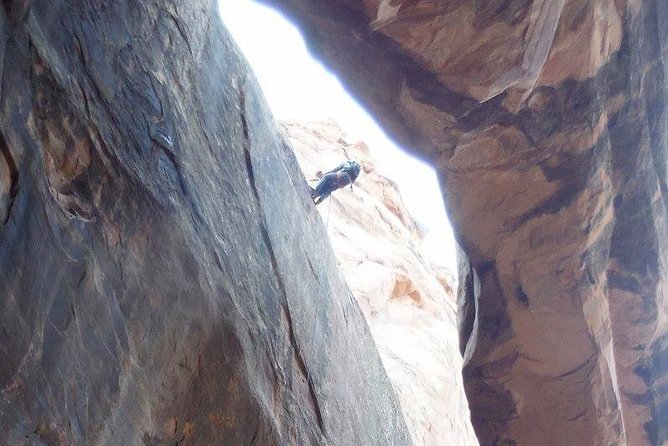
<point>407,300</point>
<point>165,276</point>
<point>546,120</point>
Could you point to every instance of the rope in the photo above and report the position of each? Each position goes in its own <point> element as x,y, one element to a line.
<point>329,208</point>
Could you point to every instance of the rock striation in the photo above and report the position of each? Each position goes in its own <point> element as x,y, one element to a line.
<point>411,313</point>
<point>165,276</point>
<point>547,123</point>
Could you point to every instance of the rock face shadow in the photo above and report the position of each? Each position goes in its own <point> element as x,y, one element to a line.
<point>164,276</point>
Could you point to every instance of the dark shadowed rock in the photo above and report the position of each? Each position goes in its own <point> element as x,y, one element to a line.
<point>165,276</point>
<point>547,123</point>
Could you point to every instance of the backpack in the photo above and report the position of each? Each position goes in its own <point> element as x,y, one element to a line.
<point>352,168</point>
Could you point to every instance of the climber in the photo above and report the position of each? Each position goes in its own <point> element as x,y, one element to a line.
<point>342,175</point>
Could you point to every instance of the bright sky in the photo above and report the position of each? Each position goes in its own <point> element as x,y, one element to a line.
<point>298,87</point>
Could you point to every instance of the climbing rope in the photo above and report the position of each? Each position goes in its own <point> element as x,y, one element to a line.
<point>329,207</point>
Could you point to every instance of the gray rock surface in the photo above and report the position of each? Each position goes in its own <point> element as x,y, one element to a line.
<point>165,276</point>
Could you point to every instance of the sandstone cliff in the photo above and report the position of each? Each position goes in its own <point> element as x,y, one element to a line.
<point>547,123</point>
<point>166,279</point>
<point>412,315</point>
<point>165,276</point>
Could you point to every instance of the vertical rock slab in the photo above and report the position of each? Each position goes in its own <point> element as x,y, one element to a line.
<point>547,123</point>
<point>165,276</point>
<point>407,300</point>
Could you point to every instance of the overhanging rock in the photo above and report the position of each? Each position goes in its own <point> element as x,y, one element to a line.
<point>546,121</point>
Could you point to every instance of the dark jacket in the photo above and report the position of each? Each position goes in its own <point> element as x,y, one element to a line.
<point>348,172</point>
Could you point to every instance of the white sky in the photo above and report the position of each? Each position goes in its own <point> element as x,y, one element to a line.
<point>298,87</point>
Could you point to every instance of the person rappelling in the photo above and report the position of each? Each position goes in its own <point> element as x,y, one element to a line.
<point>342,175</point>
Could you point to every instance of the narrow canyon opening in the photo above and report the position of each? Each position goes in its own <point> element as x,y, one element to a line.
<point>299,88</point>
<point>391,235</point>
<point>546,123</point>
<point>167,279</point>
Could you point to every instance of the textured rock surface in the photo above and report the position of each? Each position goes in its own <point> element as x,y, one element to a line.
<point>410,312</point>
<point>547,123</point>
<point>165,276</point>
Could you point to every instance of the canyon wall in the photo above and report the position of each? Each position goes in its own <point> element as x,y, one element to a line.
<point>546,121</point>
<point>165,277</point>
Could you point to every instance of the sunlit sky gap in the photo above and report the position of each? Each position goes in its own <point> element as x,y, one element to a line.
<point>298,87</point>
